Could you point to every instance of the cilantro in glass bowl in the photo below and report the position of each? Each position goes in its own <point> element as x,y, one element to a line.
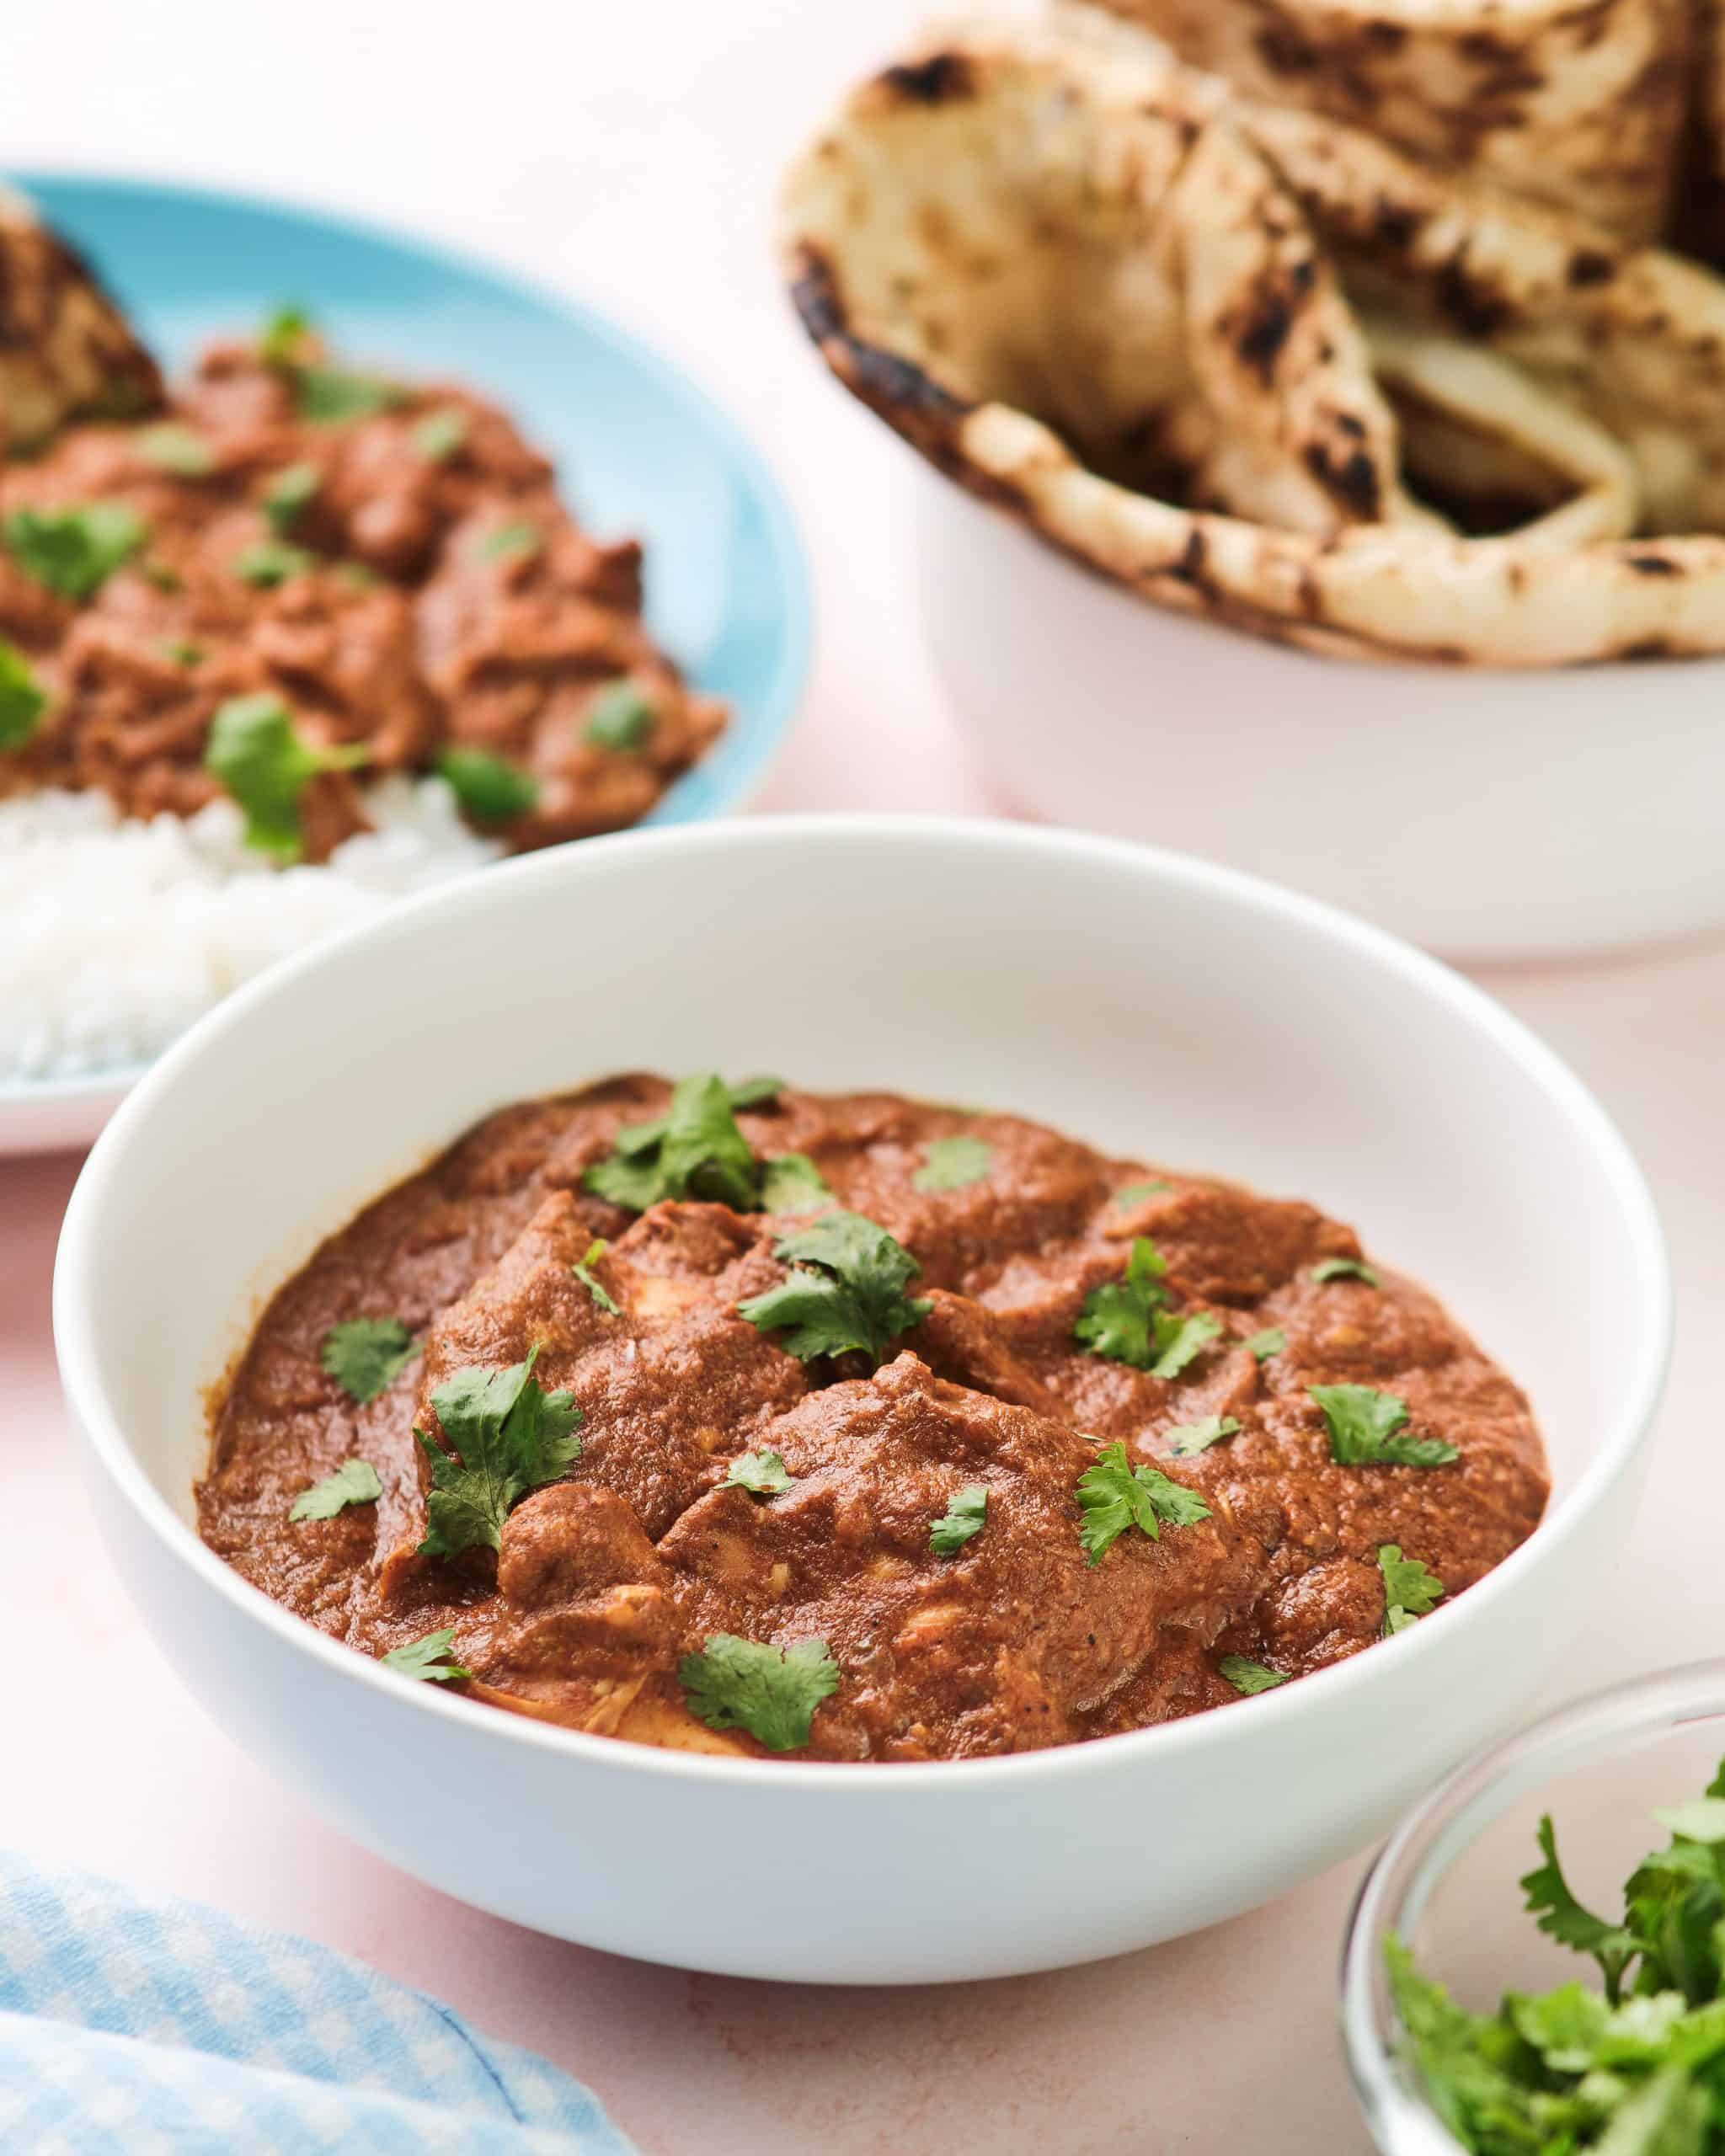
<point>1535,1963</point>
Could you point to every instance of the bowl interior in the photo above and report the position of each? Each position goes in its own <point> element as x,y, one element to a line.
<point>1143,1001</point>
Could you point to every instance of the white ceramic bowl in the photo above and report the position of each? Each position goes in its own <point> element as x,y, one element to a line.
<point>1141,999</point>
<point>1488,815</point>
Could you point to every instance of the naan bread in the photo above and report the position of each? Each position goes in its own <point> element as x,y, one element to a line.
<point>66,350</point>
<point>1218,350</point>
<point>1581,106</point>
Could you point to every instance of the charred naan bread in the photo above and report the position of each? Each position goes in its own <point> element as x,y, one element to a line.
<point>1259,364</point>
<point>66,350</point>
<point>1579,105</point>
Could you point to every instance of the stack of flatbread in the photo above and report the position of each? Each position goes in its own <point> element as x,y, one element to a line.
<point>1252,360</point>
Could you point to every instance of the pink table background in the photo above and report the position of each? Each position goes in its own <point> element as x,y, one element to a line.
<point>650,134</point>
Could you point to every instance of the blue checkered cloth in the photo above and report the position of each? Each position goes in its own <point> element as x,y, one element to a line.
<point>135,2026</point>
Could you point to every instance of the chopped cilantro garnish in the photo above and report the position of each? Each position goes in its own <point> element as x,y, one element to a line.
<point>293,488</point>
<point>366,1354</point>
<point>845,1290</point>
<point>285,331</point>
<point>620,717</point>
<point>1262,1345</point>
<point>762,1474</point>
<point>269,562</point>
<point>255,751</point>
<point>1249,1676</point>
<point>693,1150</point>
<point>74,551</point>
<point>790,1182</point>
<point>734,1684</point>
<point>1363,1423</point>
<point>23,699</point>
<point>182,652</point>
<point>1116,1318</point>
<point>964,1515</point>
<point>439,434</point>
<point>1410,1591</point>
<point>510,542</point>
<point>1134,1193</point>
<point>178,449</point>
<point>582,1270</point>
<point>354,1482</point>
<point>331,394</point>
<point>429,1658</point>
<point>1127,1319</point>
<point>953,1164</point>
<point>160,577</point>
<point>1632,2070</point>
<point>489,789</point>
<point>1346,1268</point>
<point>511,1438</point>
<point>1190,1437</point>
<point>1113,1496</point>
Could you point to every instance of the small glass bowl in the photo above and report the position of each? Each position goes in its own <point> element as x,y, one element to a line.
<point>1447,1881</point>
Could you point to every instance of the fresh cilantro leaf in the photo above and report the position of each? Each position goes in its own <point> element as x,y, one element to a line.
<point>511,1438</point>
<point>790,1182</point>
<point>694,1150</point>
<point>1561,1916</point>
<point>734,1684</point>
<point>1186,1438</point>
<point>255,751</point>
<point>74,551</point>
<point>1346,1268</point>
<point>271,562</point>
<point>160,577</point>
<point>845,1290</point>
<point>582,1270</point>
<point>366,1354</point>
<point>1249,1676</point>
<point>354,1482</point>
<point>23,699</point>
<point>620,717</point>
<point>489,789</point>
<point>182,652</point>
<point>1363,1423</point>
<point>1115,1496</point>
<point>330,395</point>
<point>754,1092</point>
<point>510,542</point>
<point>963,1516</point>
<point>439,434</point>
<point>426,1658</point>
<point>1115,1321</point>
<point>1134,1193</point>
<point>181,450</point>
<point>953,1164</point>
<point>293,488</point>
<point>1410,1591</point>
<point>1702,1820</point>
<point>1177,1340</point>
<point>762,1474</point>
<point>1262,1345</point>
<point>284,334</point>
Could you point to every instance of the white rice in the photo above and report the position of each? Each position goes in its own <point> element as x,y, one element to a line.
<point>114,934</point>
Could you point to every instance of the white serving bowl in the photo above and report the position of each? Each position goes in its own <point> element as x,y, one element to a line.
<point>1141,999</point>
<point>1485,813</point>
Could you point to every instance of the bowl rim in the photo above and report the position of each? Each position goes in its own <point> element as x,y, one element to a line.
<point>509,884</point>
<point>671,378</point>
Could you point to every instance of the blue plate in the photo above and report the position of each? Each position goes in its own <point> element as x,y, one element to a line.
<point>640,450</point>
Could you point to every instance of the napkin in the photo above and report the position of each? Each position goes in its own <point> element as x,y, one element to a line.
<point>135,2026</point>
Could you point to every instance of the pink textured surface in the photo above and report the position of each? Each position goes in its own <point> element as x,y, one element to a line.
<point>650,135</point>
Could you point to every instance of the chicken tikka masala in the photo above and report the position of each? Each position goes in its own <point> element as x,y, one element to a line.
<point>745,1419</point>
